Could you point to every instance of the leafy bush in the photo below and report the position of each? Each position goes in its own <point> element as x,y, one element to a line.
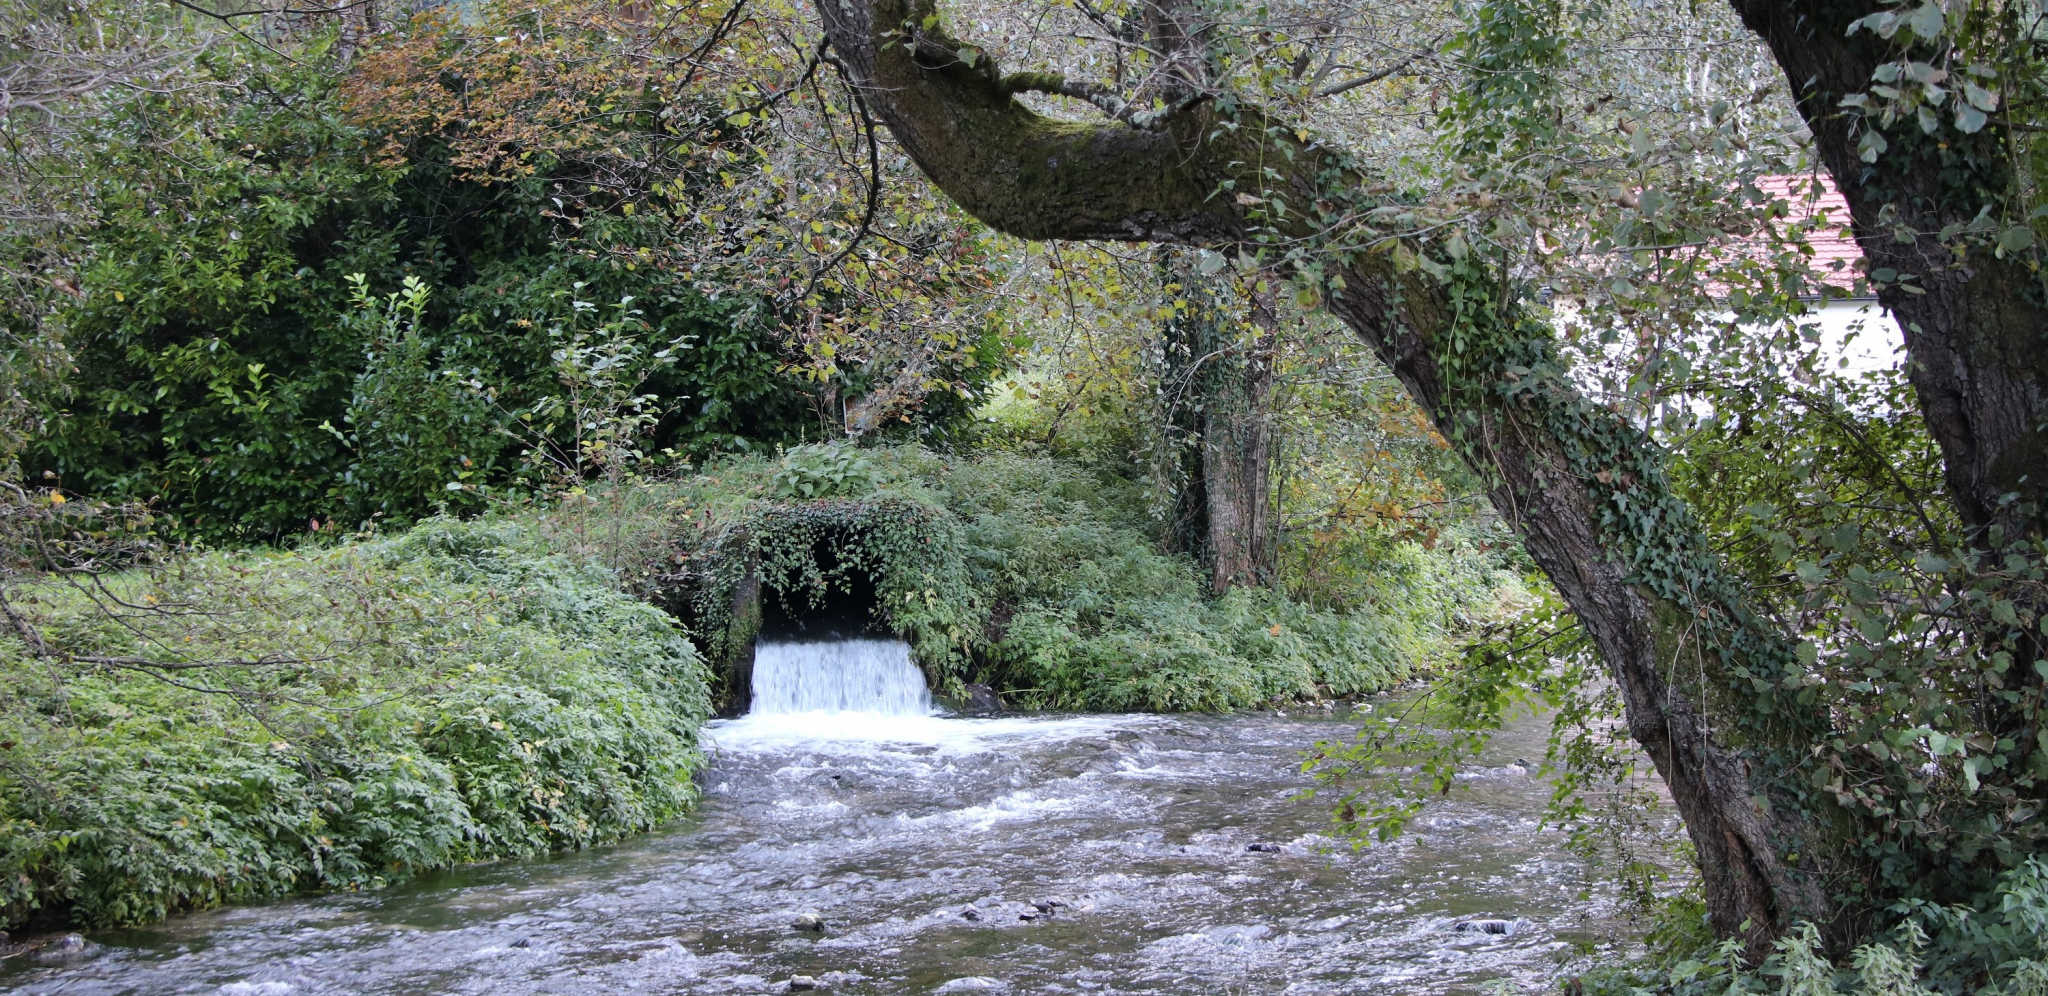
<point>824,470</point>
<point>1999,947</point>
<point>239,357</point>
<point>233,727</point>
<point>1098,618</point>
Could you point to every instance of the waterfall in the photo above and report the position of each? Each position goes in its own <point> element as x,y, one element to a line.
<point>875,677</point>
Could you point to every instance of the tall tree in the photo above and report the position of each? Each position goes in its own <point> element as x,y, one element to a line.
<point>1709,686</point>
<point>1940,197</point>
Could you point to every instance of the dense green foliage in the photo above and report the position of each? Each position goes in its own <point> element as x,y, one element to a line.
<point>273,319</point>
<point>1045,580</point>
<point>2000,949</point>
<point>232,727</point>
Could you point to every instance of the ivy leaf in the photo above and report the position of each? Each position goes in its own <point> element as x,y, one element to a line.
<point>1871,145</point>
<point>1969,120</point>
<point>2015,239</point>
<point>1980,98</point>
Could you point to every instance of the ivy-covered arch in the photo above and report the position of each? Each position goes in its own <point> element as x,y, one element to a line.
<point>910,551</point>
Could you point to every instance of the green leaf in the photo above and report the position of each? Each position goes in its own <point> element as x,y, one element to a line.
<point>1871,145</point>
<point>2015,239</point>
<point>1969,120</point>
<point>1928,21</point>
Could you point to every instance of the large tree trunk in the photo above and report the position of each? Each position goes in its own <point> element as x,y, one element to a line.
<point>1975,332</point>
<point>1709,687</point>
<point>1976,336</point>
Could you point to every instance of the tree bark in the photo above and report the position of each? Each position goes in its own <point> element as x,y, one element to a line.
<point>1708,685</point>
<point>1217,390</point>
<point>1237,460</point>
<point>1975,335</point>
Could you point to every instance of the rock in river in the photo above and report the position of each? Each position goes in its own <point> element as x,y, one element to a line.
<point>70,947</point>
<point>1505,927</point>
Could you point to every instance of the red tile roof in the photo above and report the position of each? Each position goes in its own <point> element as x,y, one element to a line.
<point>1836,258</point>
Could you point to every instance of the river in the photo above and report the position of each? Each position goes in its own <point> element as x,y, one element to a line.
<point>921,844</point>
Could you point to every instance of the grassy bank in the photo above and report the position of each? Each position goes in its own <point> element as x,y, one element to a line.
<point>1045,580</point>
<point>216,727</point>
<point>238,726</point>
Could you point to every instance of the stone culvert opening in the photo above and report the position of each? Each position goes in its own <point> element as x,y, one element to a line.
<point>874,566</point>
<point>838,602</point>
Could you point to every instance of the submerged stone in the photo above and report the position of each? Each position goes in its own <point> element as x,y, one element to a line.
<point>70,947</point>
<point>1508,928</point>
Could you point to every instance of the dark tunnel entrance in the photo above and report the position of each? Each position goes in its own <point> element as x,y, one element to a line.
<point>845,610</point>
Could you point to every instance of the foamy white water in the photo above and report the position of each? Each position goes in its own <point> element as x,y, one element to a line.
<point>855,692</point>
<point>873,677</point>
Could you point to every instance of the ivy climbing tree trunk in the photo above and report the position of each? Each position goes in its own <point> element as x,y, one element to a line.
<point>1237,457</point>
<point>1216,394</point>
<point>1711,690</point>
<point>1974,321</point>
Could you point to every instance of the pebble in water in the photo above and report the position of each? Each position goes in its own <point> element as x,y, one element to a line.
<point>808,922</point>
<point>799,983</point>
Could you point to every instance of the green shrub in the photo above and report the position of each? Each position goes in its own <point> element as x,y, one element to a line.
<point>1098,618</point>
<point>332,718</point>
<point>1995,947</point>
<point>824,470</point>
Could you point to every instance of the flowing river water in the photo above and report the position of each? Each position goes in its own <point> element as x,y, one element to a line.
<point>1018,854</point>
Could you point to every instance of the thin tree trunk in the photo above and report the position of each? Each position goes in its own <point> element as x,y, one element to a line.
<point>1217,387</point>
<point>1709,686</point>
<point>1187,337</point>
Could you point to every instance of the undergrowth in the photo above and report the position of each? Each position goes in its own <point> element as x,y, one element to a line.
<point>1045,579</point>
<point>1995,947</point>
<point>229,727</point>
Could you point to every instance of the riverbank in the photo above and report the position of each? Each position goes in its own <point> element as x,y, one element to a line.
<point>231,727</point>
<point>922,852</point>
<point>220,727</point>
